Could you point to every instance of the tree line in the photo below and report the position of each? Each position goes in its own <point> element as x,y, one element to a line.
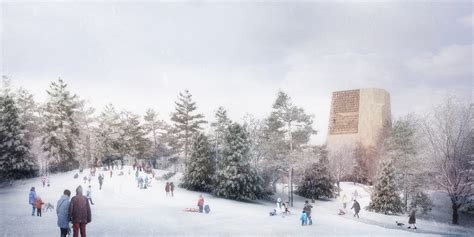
<point>246,159</point>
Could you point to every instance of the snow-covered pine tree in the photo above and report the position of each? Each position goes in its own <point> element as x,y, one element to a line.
<point>28,113</point>
<point>219,129</point>
<point>384,198</point>
<point>317,181</point>
<point>237,179</point>
<point>186,121</point>
<point>155,127</point>
<point>85,146</point>
<point>200,167</point>
<point>60,129</point>
<point>108,133</point>
<point>133,137</point>
<point>16,160</point>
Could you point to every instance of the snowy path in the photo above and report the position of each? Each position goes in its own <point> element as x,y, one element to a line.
<point>121,209</point>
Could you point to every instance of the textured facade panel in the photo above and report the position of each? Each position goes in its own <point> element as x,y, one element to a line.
<point>358,116</point>
<point>344,112</point>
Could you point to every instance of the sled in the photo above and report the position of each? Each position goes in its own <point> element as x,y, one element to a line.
<point>191,210</point>
<point>341,212</point>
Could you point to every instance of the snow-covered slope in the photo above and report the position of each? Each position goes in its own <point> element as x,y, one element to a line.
<point>121,209</point>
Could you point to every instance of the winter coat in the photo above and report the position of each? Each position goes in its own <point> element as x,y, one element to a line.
<point>39,203</point>
<point>167,188</point>
<point>79,210</point>
<point>62,210</point>
<point>32,197</point>
<point>101,179</point>
<point>412,219</point>
<point>304,216</point>
<point>89,193</point>
<point>172,187</point>
<point>307,208</point>
<point>201,201</point>
<point>356,207</point>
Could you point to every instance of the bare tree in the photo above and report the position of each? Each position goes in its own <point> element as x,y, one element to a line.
<point>449,130</point>
<point>341,161</point>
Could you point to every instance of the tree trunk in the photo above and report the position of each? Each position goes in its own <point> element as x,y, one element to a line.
<point>290,187</point>
<point>455,214</point>
<point>338,188</point>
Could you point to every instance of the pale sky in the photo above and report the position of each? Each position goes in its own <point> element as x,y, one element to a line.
<point>239,54</point>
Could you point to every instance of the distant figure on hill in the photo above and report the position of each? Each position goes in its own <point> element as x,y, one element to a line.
<point>89,194</point>
<point>412,219</point>
<point>32,200</point>
<point>356,207</point>
<point>80,212</point>
<point>101,181</point>
<point>307,208</point>
<point>111,172</point>
<point>172,189</point>
<point>344,201</point>
<point>200,203</point>
<point>43,180</point>
<point>167,188</point>
<point>279,206</point>
<point>62,210</point>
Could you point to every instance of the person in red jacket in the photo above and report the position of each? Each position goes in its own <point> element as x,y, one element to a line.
<point>39,204</point>
<point>200,203</point>
<point>80,213</point>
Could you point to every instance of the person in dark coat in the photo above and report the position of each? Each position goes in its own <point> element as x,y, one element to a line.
<point>412,219</point>
<point>356,207</point>
<point>80,213</point>
<point>62,210</point>
<point>32,200</point>
<point>307,208</point>
<point>172,189</point>
<point>167,188</point>
<point>101,181</point>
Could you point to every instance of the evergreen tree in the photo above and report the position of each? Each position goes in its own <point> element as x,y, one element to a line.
<point>28,113</point>
<point>237,179</point>
<point>186,122</point>
<point>60,130</point>
<point>108,133</point>
<point>297,127</point>
<point>85,146</point>
<point>133,138</point>
<point>317,181</point>
<point>384,197</point>
<point>220,127</point>
<point>16,160</point>
<point>156,127</point>
<point>200,167</point>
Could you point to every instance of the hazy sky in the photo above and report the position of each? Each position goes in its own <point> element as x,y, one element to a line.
<point>239,54</point>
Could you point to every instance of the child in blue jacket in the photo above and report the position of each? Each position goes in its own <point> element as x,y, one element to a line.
<point>304,218</point>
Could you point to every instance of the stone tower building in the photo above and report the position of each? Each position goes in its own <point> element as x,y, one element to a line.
<point>358,116</point>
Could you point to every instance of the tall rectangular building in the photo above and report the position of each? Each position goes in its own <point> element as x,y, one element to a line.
<point>358,116</point>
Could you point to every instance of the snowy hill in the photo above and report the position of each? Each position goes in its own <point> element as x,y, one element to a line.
<point>121,209</point>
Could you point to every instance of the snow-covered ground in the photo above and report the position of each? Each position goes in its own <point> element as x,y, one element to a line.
<point>121,209</point>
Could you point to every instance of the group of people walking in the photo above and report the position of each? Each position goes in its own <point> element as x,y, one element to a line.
<point>35,201</point>
<point>76,211</point>
<point>169,188</point>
